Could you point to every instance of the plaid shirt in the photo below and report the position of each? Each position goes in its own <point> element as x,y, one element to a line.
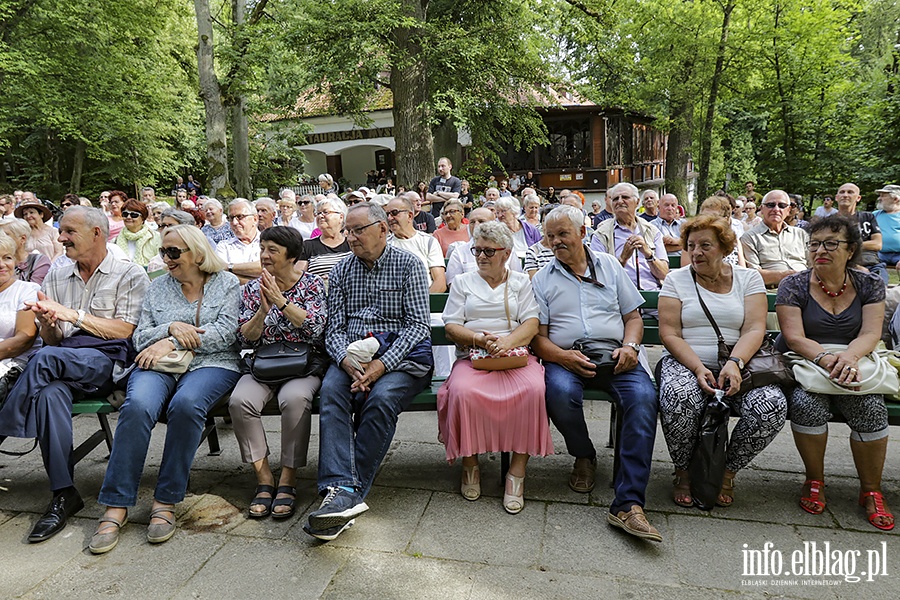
<point>392,296</point>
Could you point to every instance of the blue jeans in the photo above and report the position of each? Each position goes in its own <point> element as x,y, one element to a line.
<point>350,450</point>
<point>880,270</point>
<point>189,399</point>
<point>635,397</point>
<point>890,258</point>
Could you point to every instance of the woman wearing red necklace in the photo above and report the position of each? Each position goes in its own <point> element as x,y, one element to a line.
<point>835,303</point>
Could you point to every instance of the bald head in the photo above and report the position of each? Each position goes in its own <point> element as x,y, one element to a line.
<point>479,216</point>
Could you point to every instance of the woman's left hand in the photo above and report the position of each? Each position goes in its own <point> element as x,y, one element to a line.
<point>269,288</point>
<point>497,346</point>
<point>730,378</point>
<point>149,356</point>
<point>845,370</point>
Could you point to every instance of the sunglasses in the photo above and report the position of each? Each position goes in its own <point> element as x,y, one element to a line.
<point>780,205</point>
<point>128,214</point>
<point>396,212</point>
<point>172,253</point>
<point>489,252</point>
<point>63,205</point>
<point>304,202</point>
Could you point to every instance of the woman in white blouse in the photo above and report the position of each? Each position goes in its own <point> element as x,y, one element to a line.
<point>689,372</point>
<point>493,411</point>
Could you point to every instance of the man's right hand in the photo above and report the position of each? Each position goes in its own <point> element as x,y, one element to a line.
<point>579,364</point>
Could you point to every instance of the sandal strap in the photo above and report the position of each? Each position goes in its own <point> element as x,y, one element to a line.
<point>112,520</point>
<point>158,513</point>
<point>283,502</point>
<point>264,488</point>
<point>286,489</point>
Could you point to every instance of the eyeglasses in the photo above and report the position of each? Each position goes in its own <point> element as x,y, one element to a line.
<point>239,217</point>
<point>781,205</point>
<point>172,252</point>
<point>829,245</point>
<point>396,212</point>
<point>357,231</point>
<point>451,211</point>
<point>128,214</point>
<point>489,252</point>
<point>325,213</point>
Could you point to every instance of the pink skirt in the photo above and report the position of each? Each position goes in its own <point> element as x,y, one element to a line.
<point>494,411</point>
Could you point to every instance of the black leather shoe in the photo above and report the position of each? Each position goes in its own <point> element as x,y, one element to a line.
<point>64,504</point>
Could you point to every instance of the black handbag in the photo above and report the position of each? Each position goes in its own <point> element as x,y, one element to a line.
<point>766,367</point>
<point>279,362</point>
<point>599,352</point>
<point>707,464</point>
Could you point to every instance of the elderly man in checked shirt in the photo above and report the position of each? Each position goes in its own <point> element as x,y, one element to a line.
<point>383,290</point>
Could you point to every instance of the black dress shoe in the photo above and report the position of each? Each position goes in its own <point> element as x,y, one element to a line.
<point>65,503</point>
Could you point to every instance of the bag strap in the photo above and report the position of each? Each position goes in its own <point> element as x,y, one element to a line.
<point>709,316</point>
<point>200,303</point>
<point>506,302</point>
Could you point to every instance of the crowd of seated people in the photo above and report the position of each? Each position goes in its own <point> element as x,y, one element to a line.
<point>349,279</point>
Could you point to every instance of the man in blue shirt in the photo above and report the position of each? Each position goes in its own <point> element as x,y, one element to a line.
<point>587,296</point>
<point>382,290</point>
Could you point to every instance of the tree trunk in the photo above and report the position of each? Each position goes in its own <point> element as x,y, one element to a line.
<point>211,93</point>
<point>77,167</point>
<point>412,132</point>
<point>678,153</point>
<point>708,124</point>
<point>787,126</point>
<point>239,129</point>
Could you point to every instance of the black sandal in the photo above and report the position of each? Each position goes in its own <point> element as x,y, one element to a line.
<point>266,502</point>
<point>289,502</point>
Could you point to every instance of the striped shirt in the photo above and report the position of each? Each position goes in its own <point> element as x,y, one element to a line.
<point>321,259</point>
<point>391,296</point>
<point>115,290</point>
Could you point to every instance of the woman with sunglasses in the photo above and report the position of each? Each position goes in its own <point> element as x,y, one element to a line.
<point>192,307</point>
<point>305,220</point>
<point>321,253</point>
<point>137,240</point>
<point>493,411</point>
<point>836,303</point>
<point>283,305</point>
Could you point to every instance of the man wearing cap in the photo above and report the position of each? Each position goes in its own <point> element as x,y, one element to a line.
<point>442,188</point>
<point>889,222</point>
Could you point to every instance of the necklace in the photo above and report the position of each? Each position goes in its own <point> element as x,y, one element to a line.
<point>833,294</point>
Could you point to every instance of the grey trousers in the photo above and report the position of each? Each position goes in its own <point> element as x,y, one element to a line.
<point>295,403</point>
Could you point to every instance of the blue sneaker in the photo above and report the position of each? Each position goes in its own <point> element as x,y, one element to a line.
<point>337,509</point>
<point>328,534</point>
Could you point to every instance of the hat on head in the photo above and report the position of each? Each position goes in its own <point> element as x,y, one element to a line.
<point>45,212</point>
<point>366,192</point>
<point>356,193</point>
<point>889,189</point>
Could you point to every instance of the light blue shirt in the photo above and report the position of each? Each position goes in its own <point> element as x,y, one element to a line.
<point>672,229</point>
<point>572,309</point>
<point>889,223</point>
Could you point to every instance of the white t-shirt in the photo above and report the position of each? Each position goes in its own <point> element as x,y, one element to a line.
<point>726,309</point>
<point>473,304</point>
<point>12,300</point>
<point>425,247</point>
<point>460,260</point>
<point>305,229</point>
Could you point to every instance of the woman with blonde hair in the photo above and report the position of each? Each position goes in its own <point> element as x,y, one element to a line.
<point>30,266</point>
<point>194,306</point>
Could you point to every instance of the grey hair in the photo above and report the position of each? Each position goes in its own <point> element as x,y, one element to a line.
<point>159,205</point>
<point>146,188</point>
<point>632,189</point>
<point>336,204</point>
<point>373,211</point>
<point>531,198</point>
<point>771,195</point>
<point>213,202</point>
<point>407,200</point>
<point>645,192</point>
<point>508,204</point>
<point>326,177</point>
<point>450,203</point>
<point>16,228</point>
<point>242,202</point>
<point>183,218</point>
<point>564,211</point>
<point>494,232</point>
<point>309,197</point>
<point>288,194</point>
<point>93,217</point>
<point>265,200</point>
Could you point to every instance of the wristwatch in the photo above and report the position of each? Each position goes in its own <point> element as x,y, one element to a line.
<point>231,267</point>
<point>738,361</point>
<point>633,346</point>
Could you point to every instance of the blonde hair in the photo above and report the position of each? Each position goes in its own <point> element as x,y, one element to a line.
<point>16,228</point>
<point>196,241</point>
<point>8,245</point>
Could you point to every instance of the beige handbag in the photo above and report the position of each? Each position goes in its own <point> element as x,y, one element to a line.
<point>514,358</point>
<point>877,375</point>
<point>177,362</point>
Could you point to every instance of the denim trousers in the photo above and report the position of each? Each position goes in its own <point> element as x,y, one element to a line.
<point>186,401</point>
<point>635,397</point>
<point>352,448</point>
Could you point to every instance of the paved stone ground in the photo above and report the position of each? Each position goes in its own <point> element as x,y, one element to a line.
<point>421,539</point>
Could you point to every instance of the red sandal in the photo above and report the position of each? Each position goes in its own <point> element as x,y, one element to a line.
<point>815,488</point>
<point>879,510</point>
